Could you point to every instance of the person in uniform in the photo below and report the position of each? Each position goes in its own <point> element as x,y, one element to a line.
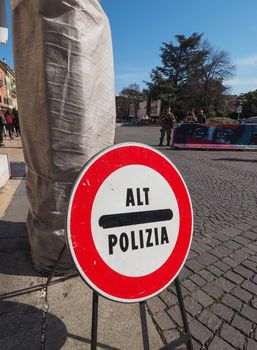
<point>201,118</point>
<point>167,121</point>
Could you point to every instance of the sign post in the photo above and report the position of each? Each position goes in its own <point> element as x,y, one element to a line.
<point>129,224</point>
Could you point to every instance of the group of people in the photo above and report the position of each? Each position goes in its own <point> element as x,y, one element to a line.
<point>9,123</point>
<point>191,117</point>
<point>167,121</point>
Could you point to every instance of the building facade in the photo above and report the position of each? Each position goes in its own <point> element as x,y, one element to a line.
<point>3,90</point>
<point>8,98</point>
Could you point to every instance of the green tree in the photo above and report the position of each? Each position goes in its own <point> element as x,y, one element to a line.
<point>191,74</point>
<point>249,101</point>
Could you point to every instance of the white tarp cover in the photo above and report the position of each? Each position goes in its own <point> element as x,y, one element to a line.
<point>3,23</point>
<point>65,85</point>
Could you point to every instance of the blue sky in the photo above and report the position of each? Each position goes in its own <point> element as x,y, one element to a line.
<point>140,26</point>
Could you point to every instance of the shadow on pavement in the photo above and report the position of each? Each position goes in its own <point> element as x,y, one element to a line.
<point>14,249</point>
<point>22,327</point>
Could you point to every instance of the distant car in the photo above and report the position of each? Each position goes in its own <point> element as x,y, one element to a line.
<point>251,120</point>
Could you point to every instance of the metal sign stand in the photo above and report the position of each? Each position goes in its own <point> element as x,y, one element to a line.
<point>183,339</point>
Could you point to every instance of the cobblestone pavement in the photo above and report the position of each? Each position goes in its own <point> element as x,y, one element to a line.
<point>219,281</point>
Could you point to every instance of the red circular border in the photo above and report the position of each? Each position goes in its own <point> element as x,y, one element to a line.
<point>105,279</point>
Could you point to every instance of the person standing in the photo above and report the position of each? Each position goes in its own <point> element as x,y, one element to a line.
<point>16,122</point>
<point>201,118</point>
<point>2,124</point>
<point>167,121</point>
<point>9,123</point>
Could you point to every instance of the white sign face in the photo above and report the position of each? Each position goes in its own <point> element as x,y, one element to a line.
<point>129,249</point>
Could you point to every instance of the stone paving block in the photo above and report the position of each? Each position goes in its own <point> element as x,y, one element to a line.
<point>242,253</point>
<point>213,269</point>
<point>223,311</point>
<point>242,294</point>
<point>202,298</point>
<point>192,255</point>
<point>242,240</point>
<point>251,287</point>
<point>156,305</point>
<point>232,232</point>
<point>164,321</point>
<point>232,245</point>
<point>219,344</point>
<point>222,266</point>
<point>206,259</point>
<point>230,262</point>
<point>221,251</point>
<point>175,313</point>
<point>207,275</point>
<point>253,246</point>
<point>200,332</point>
<point>196,345</point>
<point>170,335</point>
<point>237,257</point>
<point>242,324</point>
<point>192,306</point>
<point>210,320</point>
<point>224,284</point>
<point>232,302</point>
<point>253,257</point>
<point>168,297</point>
<point>254,303</point>
<point>243,226</point>
<point>212,290</point>
<point>198,280</point>
<point>222,237</point>
<point>194,265</point>
<point>234,277</point>
<point>251,344</point>
<point>232,336</point>
<point>196,248</point>
<point>249,312</point>
<point>244,272</point>
<point>255,279</point>
<point>184,273</point>
<point>190,286</point>
<point>249,235</point>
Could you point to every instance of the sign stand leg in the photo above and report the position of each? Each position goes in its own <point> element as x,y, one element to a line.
<point>94,321</point>
<point>186,337</point>
<point>50,277</point>
<point>144,326</point>
<point>183,314</point>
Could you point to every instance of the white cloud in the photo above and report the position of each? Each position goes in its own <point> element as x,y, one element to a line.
<point>242,81</point>
<point>130,75</point>
<point>247,61</point>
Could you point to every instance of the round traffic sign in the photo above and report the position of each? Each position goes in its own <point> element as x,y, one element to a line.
<point>129,222</point>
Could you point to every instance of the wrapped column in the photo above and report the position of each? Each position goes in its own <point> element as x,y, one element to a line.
<point>65,86</point>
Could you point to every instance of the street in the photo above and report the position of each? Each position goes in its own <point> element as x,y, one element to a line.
<point>219,278</point>
<point>219,282</point>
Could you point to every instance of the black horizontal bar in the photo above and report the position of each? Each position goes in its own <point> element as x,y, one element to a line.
<point>136,218</point>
